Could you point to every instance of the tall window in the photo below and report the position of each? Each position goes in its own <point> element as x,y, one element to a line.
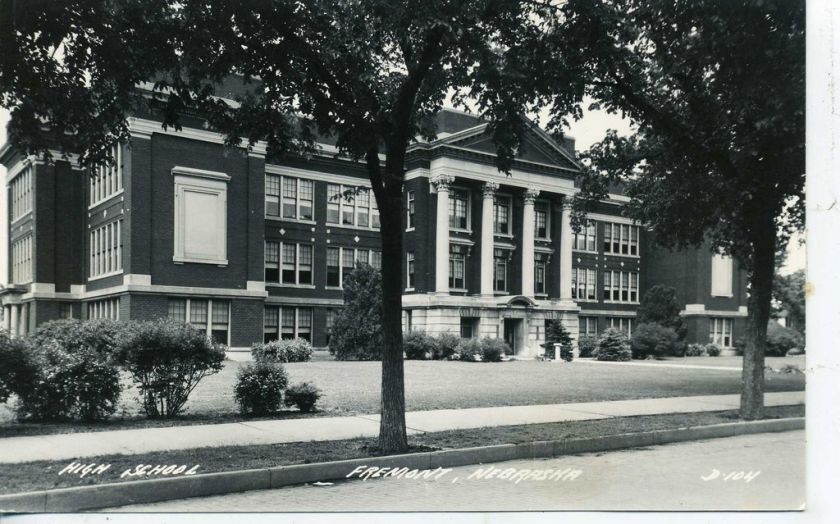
<point>409,220</point>
<point>501,215</point>
<point>583,284</point>
<point>500,269</point>
<point>288,263</point>
<point>540,272</point>
<point>457,266</point>
<point>624,324</point>
<point>585,239</point>
<point>621,286</point>
<point>288,197</point>
<point>357,210</point>
<point>20,192</point>
<point>721,276</point>
<point>21,260</point>
<point>458,208</point>
<point>720,332</point>
<point>409,267</point>
<point>469,327</point>
<point>621,239</point>
<point>587,326</point>
<point>342,260</point>
<point>105,308</point>
<point>541,220</point>
<point>287,323</point>
<point>107,180</point>
<point>212,316</point>
<point>106,249</point>
<point>330,322</point>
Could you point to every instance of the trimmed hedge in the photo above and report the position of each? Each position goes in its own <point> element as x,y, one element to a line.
<point>284,351</point>
<point>653,340</point>
<point>419,346</point>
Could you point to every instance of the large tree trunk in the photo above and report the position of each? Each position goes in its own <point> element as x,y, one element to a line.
<point>761,290</point>
<point>392,433</point>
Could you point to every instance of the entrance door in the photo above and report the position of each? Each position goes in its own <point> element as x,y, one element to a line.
<point>511,325</point>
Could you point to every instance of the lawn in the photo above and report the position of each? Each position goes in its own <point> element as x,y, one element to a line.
<point>353,388</point>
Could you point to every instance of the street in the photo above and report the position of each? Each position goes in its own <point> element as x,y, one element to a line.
<point>753,472</point>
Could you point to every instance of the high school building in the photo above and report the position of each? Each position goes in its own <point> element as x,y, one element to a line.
<point>251,249</point>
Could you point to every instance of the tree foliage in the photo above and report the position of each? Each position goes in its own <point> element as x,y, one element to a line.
<point>556,333</point>
<point>789,295</point>
<point>357,330</point>
<point>659,305</point>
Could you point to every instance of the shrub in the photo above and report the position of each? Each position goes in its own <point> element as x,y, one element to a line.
<point>659,305</point>
<point>653,340</point>
<point>259,387</point>
<point>557,334</point>
<point>167,359</point>
<point>469,349</point>
<point>695,350</point>
<point>297,350</point>
<point>446,345</point>
<point>303,395</point>
<point>493,349</point>
<point>587,345</point>
<point>99,336</point>
<point>712,350</point>
<point>419,346</point>
<point>780,340</point>
<point>613,345</point>
<point>357,331</point>
<point>18,369</point>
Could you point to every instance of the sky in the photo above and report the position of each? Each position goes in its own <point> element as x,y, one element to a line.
<point>590,129</point>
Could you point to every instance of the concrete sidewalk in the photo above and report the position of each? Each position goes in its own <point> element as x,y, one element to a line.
<point>136,441</point>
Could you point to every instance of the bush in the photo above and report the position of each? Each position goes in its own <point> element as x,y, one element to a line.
<point>167,359</point>
<point>303,395</point>
<point>695,350</point>
<point>653,340</point>
<point>446,344</point>
<point>99,336</point>
<point>613,345</point>
<point>284,351</point>
<point>419,346</point>
<point>259,388</point>
<point>587,345</point>
<point>557,334</point>
<point>493,349</point>
<point>712,350</point>
<point>357,331</point>
<point>659,305</point>
<point>18,369</point>
<point>780,340</point>
<point>469,349</point>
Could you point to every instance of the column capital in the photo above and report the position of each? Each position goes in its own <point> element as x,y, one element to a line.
<point>530,195</point>
<point>489,189</point>
<point>442,182</point>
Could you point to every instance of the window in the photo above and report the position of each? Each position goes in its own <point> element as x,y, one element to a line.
<point>20,193</point>
<point>500,269</point>
<point>287,272</point>
<point>585,239</point>
<point>541,220</point>
<point>106,250</point>
<point>409,219</point>
<point>621,286</point>
<point>288,197</point>
<point>407,319</point>
<point>457,266</point>
<point>587,326</point>
<point>409,267</point>
<point>21,260</point>
<point>287,323</point>
<point>583,284</point>
<point>458,208</point>
<point>200,216</point>
<point>501,215</point>
<point>212,316</point>
<point>342,260</point>
<point>621,239</point>
<point>540,273</point>
<point>105,308</point>
<point>720,332</point>
<point>330,322</point>
<point>293,268</point>
<point>357,210</point>
<point>65,310</point>
<point>469,327</point>
<point>624,324</point>
<point>107,180</point>
<point>272,261</point>
<point>721,276</point>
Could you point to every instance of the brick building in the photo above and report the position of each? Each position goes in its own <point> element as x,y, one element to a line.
<point>252,249</point>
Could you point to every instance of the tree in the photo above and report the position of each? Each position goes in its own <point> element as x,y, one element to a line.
<point>357,331</point>
<point>557,334</point>
<point>716,92</point>
<point>789,295</point>
<point>368,73</point>
<point>659,305</point>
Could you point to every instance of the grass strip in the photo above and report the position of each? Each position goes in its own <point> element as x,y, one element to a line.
<point>39,475</point>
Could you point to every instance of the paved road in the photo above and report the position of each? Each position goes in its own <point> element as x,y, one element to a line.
<point>668,477</point>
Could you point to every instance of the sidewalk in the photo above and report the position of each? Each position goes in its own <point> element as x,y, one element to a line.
<point>136,441</point>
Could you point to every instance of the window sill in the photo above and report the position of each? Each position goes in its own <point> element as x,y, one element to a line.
<point>105,275</point>
<point>106,199</point>
<point>298,286</point>
<point>457,290</point>
<point>584,251</point>
<point>542,239</point>
<point>409,229</point>
<point>409,289</point>
<point>722,296</point>
<point>619,255</point>
<point>360,228</point>
<point>589,300</point>
<point>292,220</point>
<point>508,236</point>
<point>334,288</point>
<point>28,214</point>
<point>187,260</point>
<point>619,302</point>
<point>460,230</point>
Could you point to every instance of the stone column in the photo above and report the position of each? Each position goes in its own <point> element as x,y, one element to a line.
<point>14,320</point>
<point>566,239</point>
<point>528,242</point>
<point>489,193</point>
<point>7,320</point>
<point>442,183</point>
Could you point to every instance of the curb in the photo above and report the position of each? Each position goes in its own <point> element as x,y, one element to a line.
<point>157,490</point>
